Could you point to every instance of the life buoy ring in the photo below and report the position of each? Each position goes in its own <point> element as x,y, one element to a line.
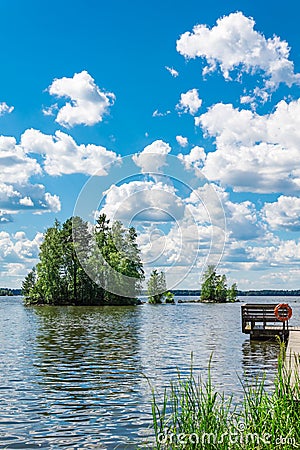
<point>283,312</point>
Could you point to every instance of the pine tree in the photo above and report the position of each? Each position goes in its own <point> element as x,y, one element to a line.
<point>208,289</point>
<point>156,287</point>
<point>232,293</point>
<point>221,289</point>
<point>29,284</point>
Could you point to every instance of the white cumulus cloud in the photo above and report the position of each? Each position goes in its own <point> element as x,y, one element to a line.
<point>26,201</point>
<point>18,248</point>
<point>195,158</point>
<point>189,102</point>
<point>233,43</point>
<point>88,103</point>
<point>16,191</point>
<point>256,153</point>
<point>62,155</point>
<point>282,253</point>
<point>209,203</point>
<point>143,201</point>
<point>182,141</point>
<point>153,157</point>
<point>52,202</point>
<point>15,198</point>
<point>283,214</point>
<point>15,164</point>
<point>18,254</point>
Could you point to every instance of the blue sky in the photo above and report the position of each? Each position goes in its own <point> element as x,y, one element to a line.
<point>89,83</point>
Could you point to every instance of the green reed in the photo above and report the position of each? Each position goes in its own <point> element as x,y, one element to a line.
<point>193,415</point>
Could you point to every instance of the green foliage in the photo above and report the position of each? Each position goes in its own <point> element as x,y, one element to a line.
<point>193,415</point>
<point>156,287</point>
<point>28,286</point>
<point>221,288</point>
<point>214,287</point>
<point>59,277</point>
<point>232,293</point>
<point>121,265</point>
<point>169,297</point>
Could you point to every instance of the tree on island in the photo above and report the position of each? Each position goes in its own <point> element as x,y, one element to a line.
<point>232,293</point>
<point>214,287</point>
<point>156,287</point>
<point>59,277</point>
<point>169,297</point>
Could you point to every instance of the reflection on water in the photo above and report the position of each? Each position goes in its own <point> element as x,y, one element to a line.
<point>90,366</point>
<point>260,358</point>
<point>77,377</point>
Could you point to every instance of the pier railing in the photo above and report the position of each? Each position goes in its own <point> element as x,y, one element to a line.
<point>260,321</point>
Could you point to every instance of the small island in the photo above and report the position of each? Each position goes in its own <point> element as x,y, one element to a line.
<point>214,288</point>
<point>110,252</point>
<point>157,289</point>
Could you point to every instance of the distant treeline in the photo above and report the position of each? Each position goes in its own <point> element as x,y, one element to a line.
<point>10,292</point>
<point>265,292</point>
<point>271,292</point>
<point>191,292</point>
<point>180,292</point>
<point>186,292</point>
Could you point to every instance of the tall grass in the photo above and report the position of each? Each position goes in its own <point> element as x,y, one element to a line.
<point>193,415</point>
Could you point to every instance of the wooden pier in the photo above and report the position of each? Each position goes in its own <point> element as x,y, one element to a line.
<point>292,358</point>
<point>259,320</point>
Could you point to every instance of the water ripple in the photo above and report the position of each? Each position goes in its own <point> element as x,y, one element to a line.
<point>78,377</point>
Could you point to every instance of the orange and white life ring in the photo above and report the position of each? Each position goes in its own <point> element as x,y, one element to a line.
<point>283,312</point>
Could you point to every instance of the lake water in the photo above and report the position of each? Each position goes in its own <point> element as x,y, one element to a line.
<point>78,377</point>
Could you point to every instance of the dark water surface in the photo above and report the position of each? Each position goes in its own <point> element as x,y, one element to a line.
<point>76,377</point>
